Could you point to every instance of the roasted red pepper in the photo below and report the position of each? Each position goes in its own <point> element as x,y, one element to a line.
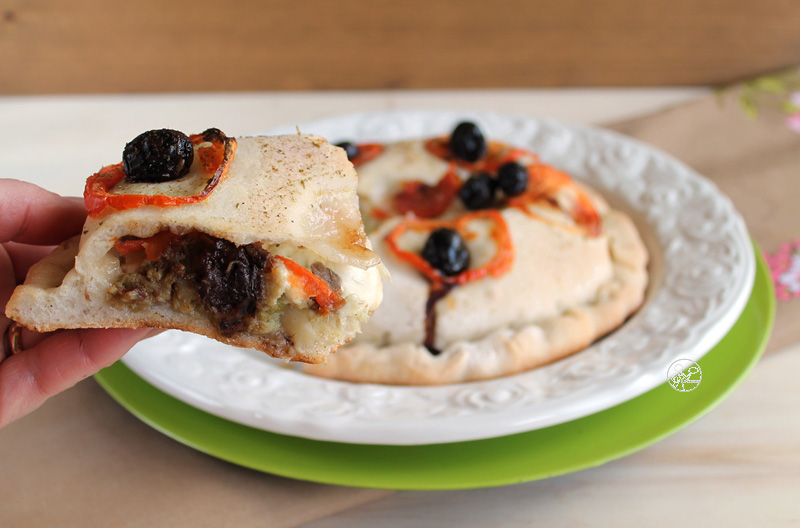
<point>428,201</point>
<point>153,247</point>
<point>496,154</point>
<point>543,182</point>
<point>499,265</point>
<point>215,159</point>
<point>314,287</point>
<point>366,152</point>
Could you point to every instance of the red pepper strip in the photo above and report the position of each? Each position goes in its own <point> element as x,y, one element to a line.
<point>313,286</point>
<point>499,155</point>
<point>499,265</point>
<point>153,247</point>
<point>428,201</point>
<point>586,215</point>
<point>496,154</point>
<point>544,179</point>
<point>379,213</point>
<point>210,157</point>
<point>98,197</point>
<point>366,152</point>
<point>438,147</point>
<point>543,182</point>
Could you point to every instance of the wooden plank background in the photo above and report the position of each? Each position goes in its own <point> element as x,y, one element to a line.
<point>50,46</point>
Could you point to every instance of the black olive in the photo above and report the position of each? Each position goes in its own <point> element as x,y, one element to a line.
<point>158,156</point>
<point>478,191</point>
<point>350,148</point>
<point>214,134</point>
<point>229,280</point>
<point>467,142</point>
<point>512,178</point>
<point>445,251</point>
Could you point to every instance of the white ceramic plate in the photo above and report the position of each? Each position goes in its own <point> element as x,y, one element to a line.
<point>702,269</point>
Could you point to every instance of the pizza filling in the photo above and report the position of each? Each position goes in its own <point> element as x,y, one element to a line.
<point>239,288</point>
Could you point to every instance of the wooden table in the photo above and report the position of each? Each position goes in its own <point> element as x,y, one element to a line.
<point>75,462</point>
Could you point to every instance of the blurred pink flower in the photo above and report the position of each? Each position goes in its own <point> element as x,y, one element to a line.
<point>784,265</point>
<point>793,119</point>
<point>793,122</point>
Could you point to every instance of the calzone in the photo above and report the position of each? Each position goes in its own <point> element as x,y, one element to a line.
<point>500,262</point>
<point>254,241</point>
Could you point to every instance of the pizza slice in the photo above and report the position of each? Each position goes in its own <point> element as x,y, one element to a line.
<point>256,242</point>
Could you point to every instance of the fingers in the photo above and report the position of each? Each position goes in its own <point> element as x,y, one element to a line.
<point>57,363</point>
<point>32,215</point>
<point>53,362</point>
<point>7,284</point>
<point>15,259</point>
<point>23,256</point>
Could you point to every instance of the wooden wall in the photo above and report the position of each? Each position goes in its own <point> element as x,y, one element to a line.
<point>51,46</point>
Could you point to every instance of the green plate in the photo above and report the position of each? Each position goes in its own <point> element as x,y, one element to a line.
<point>539,454</point>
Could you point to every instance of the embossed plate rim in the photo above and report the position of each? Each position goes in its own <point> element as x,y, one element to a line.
<point>540,454</point>
<point>708,271</point>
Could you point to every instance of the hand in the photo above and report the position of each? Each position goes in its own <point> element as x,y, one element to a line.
<point>32,222</point>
